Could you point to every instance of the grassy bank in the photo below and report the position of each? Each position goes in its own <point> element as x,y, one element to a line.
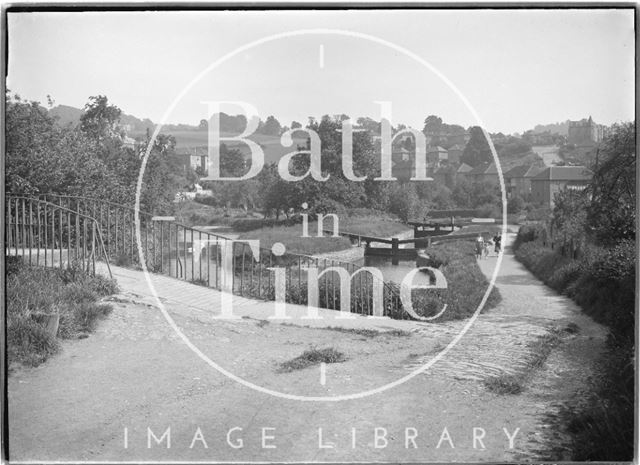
<point>602,282</point>
<point>466,284</point>
<point>34,293</point>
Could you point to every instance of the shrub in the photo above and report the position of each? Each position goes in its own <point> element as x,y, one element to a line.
<point>27,341</point>
<point>488,210</point>
<point>566,275</point>
<point>32,291</point>
<point>528,233</point>
<point>466,284</point>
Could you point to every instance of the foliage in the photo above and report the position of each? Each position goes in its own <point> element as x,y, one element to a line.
<point>88,160</point>
<point>611,213</point>
<point>477,150</point>
<point>602,282</point>
<point>515,204</point>
<point>71,293</point>
<point>466,284</point>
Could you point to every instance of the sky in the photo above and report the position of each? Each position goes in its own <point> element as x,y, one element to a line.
<point>506,69</point>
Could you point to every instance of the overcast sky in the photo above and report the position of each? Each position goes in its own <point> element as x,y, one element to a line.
<point>516,68</point>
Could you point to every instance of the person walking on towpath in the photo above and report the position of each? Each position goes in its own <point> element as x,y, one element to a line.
<point>497,240</point>
<point>479,246</point>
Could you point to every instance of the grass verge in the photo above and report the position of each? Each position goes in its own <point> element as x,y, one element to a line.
<point>466,284</point>
<point>36,292</point>
<point>312,357</point>
<point>602,281</point>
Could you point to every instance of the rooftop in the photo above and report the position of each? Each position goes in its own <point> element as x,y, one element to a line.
<point>565,173</point>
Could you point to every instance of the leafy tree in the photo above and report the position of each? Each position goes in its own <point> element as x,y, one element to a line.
<point>404,201</point>
<point>612,210</point>
<point>100,119</point>
<point>515,204</point>
<point>477,150</point>
<point>271,127</point>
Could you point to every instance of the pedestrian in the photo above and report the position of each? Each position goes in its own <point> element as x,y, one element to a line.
<point>479,246</point>
<point>487,245</point>
<point>497,240</point>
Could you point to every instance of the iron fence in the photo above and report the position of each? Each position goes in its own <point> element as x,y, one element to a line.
<point>197,256</point>
<point>50,235</point>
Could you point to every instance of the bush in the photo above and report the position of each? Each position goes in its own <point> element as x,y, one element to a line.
<point>466,284</point>
<point>70,293</point>
<point>488,210</point>
<point>528,233</point>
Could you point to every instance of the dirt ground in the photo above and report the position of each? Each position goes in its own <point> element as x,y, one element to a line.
<point>105,397</point>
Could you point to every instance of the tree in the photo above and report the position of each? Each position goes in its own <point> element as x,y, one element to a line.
<point>612,210</point>
<point>100,119</point>
<point>515,204</point>
<point>404,201</point>
<point>477,150</point>
<point>432,125</point>
<point>271,127</point>
<point>295,125</point>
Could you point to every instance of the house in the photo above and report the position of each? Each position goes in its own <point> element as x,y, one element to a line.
<point>554,179</point>
<point>437,156</point>
<point>517,180</point>
<point>455,153</point>
<point>402,164</point>
<point>195,157</point>
<point>485,172</point>
<point>129,142</point>
<point>462,171</point>
<point>585,132</point>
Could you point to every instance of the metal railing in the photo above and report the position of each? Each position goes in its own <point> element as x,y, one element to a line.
<point>46,234</point>
<point>197,256</point>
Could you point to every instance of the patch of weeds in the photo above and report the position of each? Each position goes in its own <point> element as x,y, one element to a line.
<point>572,328</point>
<point>34,293</point>
<point>312,357</point>
<point>200,282</point>
<point>262,323</point>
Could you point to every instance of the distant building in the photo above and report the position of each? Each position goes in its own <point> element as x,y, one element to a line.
<point>554,179</point>
<point>585,132</point>
<point>129,142</point>
<point>462,171</point>
<point>455,153</point>
<point>195,157</point>
<point>436,157</point>
<point>518,180</point>
<point>485,172</point>
<point>403,165</point>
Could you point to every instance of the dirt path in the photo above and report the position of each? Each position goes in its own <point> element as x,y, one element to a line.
<point>136,373</point>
